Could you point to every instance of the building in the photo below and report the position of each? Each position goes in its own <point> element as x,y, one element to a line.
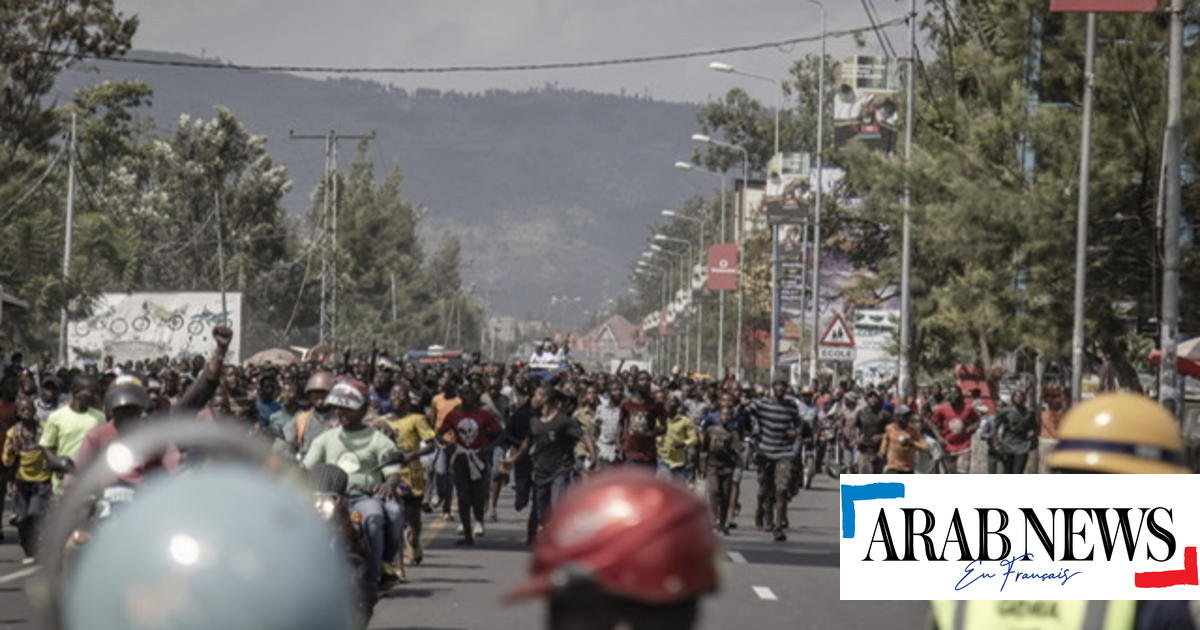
<point>614,339</point>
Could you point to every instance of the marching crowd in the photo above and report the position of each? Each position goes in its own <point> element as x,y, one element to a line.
<point>466,432</point>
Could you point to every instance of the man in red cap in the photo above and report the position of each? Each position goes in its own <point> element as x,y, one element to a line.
<point>624,550</point>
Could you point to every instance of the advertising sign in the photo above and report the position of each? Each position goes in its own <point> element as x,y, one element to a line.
<point>792,285</point>
<point>1104,6</point>
<point>787,189</point>
<point>865,108</point>
<point>723,267</point>
<point>137,326</point>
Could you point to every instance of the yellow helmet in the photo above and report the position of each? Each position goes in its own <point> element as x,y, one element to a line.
<point>1119,433</point>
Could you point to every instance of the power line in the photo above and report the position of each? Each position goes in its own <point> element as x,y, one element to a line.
<point>562,65</point>
<point>33,187</point>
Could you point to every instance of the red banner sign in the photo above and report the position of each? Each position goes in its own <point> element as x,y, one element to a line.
<point>1105,6</point>
<point>662,322</point>
<point>723,267</point>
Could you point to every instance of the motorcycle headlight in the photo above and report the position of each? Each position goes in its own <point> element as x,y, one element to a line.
<point>326,507</point>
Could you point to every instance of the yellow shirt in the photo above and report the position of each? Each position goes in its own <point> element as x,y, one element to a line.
<point>586,417</point>
<point>681,429</point>
<point>410,431</point>
<point>442,407</point>
<point>21,449</point>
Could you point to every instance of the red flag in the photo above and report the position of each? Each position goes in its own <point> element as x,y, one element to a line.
<point>1105,6</point>
<point>723,267</point>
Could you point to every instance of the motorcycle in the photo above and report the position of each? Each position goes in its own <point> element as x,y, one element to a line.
<point>331,499</point>
<point>837,457</point>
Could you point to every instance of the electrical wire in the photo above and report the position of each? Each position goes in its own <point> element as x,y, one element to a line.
<point>563,65</point>
<point>12,207</point>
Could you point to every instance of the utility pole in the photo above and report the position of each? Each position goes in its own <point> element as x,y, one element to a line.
<point>69,226</point>
<point>1169,386</point>
<point>220,249</point>
<point>327,229</point>
<point>1081,216</point>
<point>905,377</point>
<point>816,270</point>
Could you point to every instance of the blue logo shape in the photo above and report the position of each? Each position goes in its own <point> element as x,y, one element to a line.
<point>850,494</point>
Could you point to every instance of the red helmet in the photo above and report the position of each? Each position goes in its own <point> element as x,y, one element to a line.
<point>630,535</point>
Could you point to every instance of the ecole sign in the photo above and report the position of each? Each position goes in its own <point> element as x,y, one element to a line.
<point>723,267</point>
<point>837,344</point>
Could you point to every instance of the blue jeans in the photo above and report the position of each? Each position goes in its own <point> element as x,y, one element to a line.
<point>545,497</point>
<point>383,525</point>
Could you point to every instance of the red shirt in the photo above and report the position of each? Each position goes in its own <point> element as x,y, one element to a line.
<point>639,442</point>
<point>954,425</point>
<point>471,429</point>
<point>98,439</point>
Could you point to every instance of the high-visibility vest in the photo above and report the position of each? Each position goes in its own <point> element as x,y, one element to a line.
<point>1034,615</point>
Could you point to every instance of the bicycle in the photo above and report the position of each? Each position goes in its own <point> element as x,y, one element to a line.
<point>206,318</point>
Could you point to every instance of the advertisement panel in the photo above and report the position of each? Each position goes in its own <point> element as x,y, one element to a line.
<point>787,189</point>
<point>865,107</point>
<point>792,284</point>
<point>135,326</point>
<point>723,267</point>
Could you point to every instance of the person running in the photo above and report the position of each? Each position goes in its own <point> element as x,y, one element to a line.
<point>553,436</point>
<point>585,415</point>
<point>643,421</point>
<point>68,426</point>
<point>956,421</point>
<point>679,439</point>
<point>415,438</point>
<point>608,425</point>
<point>495,401</point>
<point>469,432</point>
<point>49,397</point>
<point>900,443</point>
<point>777,429</point>
<point>1015,431</point>
<point>31,478</point>
<point>442,404</point>
<point>722,447</point>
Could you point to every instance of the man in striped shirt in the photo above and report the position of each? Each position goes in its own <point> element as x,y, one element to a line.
<point>777,429</point>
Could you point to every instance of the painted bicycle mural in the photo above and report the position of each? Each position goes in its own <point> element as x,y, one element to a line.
<point>138,325</point>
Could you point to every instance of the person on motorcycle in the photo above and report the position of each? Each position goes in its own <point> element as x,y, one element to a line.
<point>373,464</point>
<point>127,405</point>
<point>1109,434</point>
<point>303,429</point>
<point>624,550</point>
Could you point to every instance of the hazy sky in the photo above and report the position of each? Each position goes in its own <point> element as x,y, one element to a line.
<point>451,32</point>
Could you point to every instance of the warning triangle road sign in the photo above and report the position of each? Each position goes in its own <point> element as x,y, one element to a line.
<point>838,334</point>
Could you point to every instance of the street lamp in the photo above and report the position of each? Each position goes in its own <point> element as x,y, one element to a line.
<point>688,166</point>
<point>728,69</point>
<point>699,305</point>
<point>816,290</point>
<point>737,233</point>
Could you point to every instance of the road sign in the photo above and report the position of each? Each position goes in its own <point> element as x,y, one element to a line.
<point>1105,6</point>
<point>836,353</point>
<point>838,334</point>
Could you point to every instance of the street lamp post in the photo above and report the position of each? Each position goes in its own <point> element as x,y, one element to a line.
<point>737,232</point>
<point>816,282</point>
<point>724,67</point>
<point>673,258</point>
<point>645,267</point>
<point>685,283</point>
<point>699,304</point>
<point>688,166</point>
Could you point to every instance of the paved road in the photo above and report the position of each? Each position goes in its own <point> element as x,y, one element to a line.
<point>765,584</point>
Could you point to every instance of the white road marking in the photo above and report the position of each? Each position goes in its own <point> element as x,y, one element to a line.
<point>737,558</point>
<point>23,573</point>
<point>764,593</point>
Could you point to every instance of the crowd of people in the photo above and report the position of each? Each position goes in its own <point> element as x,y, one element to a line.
<point>466,432</point>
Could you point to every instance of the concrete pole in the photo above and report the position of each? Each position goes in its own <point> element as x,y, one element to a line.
<point>1170,387</point>
<point>1081,215</point>
<point>69,227</point>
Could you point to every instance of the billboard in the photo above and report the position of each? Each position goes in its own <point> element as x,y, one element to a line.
<point>787,188</point>
<point>792,284</point>
<point>723,267</point>
<point>136,326</point>
<point>865,108</point>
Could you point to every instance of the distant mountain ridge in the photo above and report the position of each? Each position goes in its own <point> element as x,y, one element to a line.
<point>551,190</point>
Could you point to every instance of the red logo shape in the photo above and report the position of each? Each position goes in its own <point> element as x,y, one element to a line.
<point>1187,576</point>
